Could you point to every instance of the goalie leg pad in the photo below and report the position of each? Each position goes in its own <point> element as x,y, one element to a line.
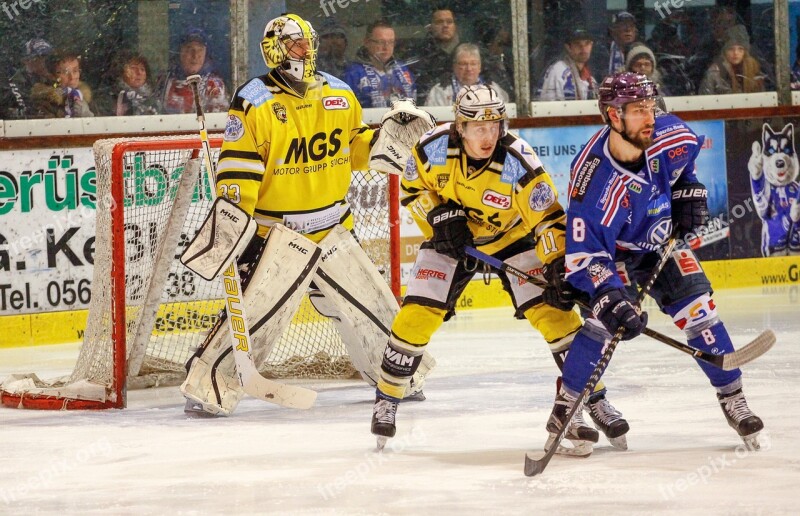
<point>360,304</point>
<point>275,289</point>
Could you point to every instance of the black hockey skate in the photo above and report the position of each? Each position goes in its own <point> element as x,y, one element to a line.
<point>608,420</point>
<point>580,434</point>
<point>741,418</point>
<point>383,415</point>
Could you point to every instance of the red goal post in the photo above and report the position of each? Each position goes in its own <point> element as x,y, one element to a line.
<point>148,313</point>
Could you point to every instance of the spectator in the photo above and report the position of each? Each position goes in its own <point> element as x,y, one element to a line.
<point>466,72</point>
<point>795,78</point>
<point>642,60</point>
<point>332,47</point>
<point>497,60</point>
<point>734,71</point>
<point>134,94</point>
<point>721,19</point>
<point>570,78</point>
<point>377,78</point>
<point>69,97</point>
<point>623,33</point>
<point>194,59</point>
<point>19,104</point>
<point>434,55</point>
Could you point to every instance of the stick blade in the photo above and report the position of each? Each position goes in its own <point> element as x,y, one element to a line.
<point>535,466</point>
<point>749,352</point>
<point>290,396</point>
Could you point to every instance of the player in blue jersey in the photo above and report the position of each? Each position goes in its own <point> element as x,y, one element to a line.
<point>632,183</point>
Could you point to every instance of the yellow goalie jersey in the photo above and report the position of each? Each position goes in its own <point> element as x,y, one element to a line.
<point>288,159</point>
<point>509,197</point>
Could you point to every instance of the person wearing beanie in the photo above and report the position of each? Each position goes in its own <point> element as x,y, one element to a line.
<point>735,70</point>
<point>194,59</point>
<point>16,102</point>
<point>332,48</point>
<point>641,60</point>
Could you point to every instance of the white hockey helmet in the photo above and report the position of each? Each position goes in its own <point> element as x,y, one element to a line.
<point>280,37</point>
<point>480,103</point>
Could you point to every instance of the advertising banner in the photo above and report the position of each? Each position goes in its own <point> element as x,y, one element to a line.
<point>763,187</point>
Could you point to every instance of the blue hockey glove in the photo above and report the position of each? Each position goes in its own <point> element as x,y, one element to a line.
<point>613,308</point>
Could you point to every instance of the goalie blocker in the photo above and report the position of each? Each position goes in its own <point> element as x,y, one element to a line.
<point>351,292</point>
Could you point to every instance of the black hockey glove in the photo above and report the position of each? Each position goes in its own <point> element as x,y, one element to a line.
<point>612,308</point>
<point>689,207</point>
<point>450,231</point>
<point>559,293</point>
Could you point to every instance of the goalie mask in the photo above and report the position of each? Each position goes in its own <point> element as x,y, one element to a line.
<point>290,44</point>
<point>480,103</point>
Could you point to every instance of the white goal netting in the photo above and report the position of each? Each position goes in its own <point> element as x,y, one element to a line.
<point>149,205</point>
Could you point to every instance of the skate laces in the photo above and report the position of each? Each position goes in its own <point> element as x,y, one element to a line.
<point>385,411</point>
<point>736,407</point>
<point>568,402</point>
<point>605,411</point>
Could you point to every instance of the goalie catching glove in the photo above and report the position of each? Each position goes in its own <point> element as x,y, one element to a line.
<point>401,128</point>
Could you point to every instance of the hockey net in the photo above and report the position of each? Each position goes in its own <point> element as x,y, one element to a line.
<point>149,313</point>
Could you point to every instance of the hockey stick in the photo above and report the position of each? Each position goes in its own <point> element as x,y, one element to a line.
<point>534,467</point>
<point>726,361</point>
<point>252,382</point>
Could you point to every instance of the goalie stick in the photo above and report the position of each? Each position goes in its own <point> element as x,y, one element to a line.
<point>726,361</point>
<point>534,467</point>
<point>252,382</point>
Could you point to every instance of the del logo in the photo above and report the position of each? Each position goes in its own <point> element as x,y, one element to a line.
<point>335,103</point>
<point>496,200</point>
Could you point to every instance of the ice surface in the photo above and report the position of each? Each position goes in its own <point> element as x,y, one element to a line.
<point>459,452</point>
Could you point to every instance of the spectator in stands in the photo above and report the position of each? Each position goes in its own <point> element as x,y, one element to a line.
<point>640,59</point>
<point>69,97</point>
<point>466,72</point>
<point>734,71</point>
<point>194,59</point>
<point>376,76</point>
<point>433,57</point>
<point>721,20</point>
<point>17,102</point>
<point>570,77</point>
<point>497,59</point>
<point>795,78</point>
<point>332,47</point>
<point>623,33</point>
<point>134,93</point>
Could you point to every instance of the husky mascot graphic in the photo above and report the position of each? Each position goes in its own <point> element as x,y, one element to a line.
<point>773,179</point>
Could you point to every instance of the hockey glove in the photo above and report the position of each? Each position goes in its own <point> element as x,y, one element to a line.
<point>559,293</point>
<point>612,308</point>
<point>450,231</point>
<point>689,207</point>
<point>401,128</point>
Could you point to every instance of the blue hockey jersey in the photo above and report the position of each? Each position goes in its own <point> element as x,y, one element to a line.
<point>611,208</point>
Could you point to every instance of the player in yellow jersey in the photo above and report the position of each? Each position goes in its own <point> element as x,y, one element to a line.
<point>292,139</point>
<point>473,183</point>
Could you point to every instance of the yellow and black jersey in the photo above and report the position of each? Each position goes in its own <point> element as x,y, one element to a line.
<point>509,197</point>
<point>288,158</point>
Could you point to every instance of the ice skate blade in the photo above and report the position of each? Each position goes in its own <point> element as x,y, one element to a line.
<point>578,449</point>
<point>195,410</point>
<point>751,441</point>
<point>381,442</point>
<point>620,443</point>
